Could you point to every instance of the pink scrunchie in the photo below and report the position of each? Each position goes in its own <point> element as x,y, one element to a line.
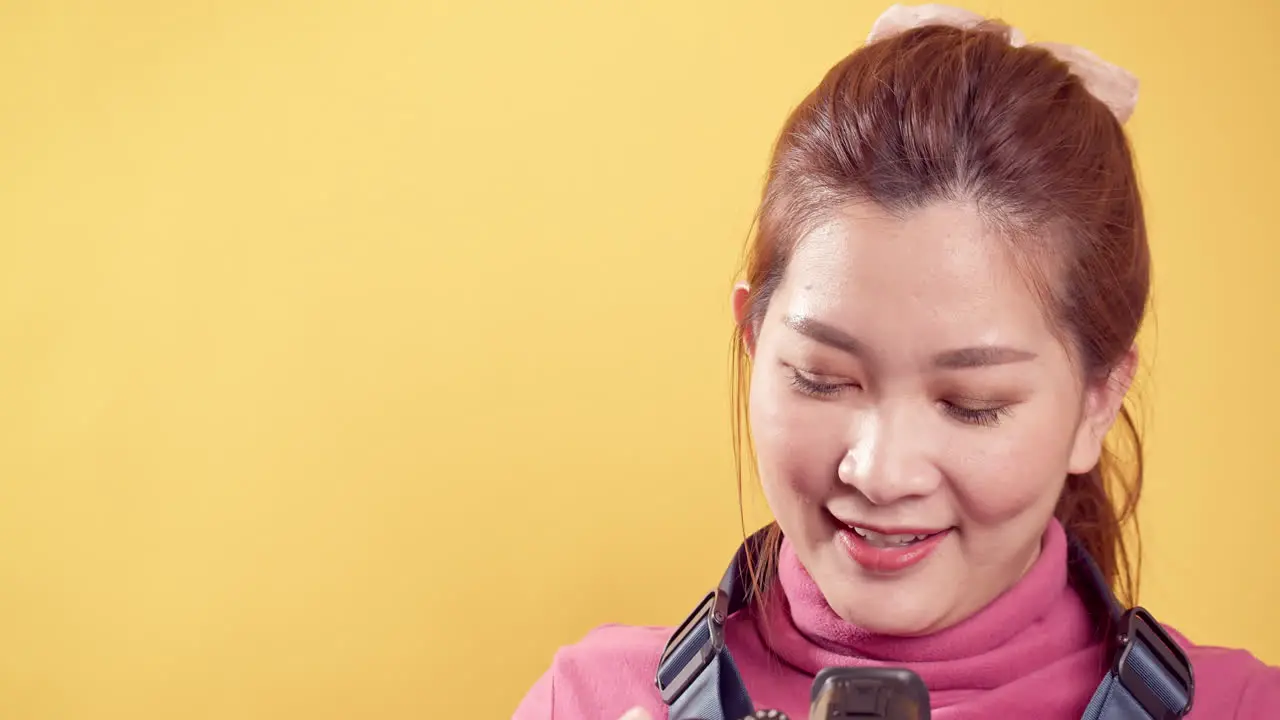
<point>1113,85</point>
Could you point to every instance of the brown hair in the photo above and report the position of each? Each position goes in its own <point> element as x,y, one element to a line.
<point>943,114</point>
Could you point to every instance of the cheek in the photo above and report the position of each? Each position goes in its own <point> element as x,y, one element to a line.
<point>1024,469</point>
<point>797,443</point>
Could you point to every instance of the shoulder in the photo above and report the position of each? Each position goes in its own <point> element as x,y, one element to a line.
<point>609,671</point>
<point>616,652</point>
<point>1231,682</point>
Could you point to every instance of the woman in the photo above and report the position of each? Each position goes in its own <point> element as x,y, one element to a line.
<point>938,322</point>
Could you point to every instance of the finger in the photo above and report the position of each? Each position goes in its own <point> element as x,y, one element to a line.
<point>636,713</point>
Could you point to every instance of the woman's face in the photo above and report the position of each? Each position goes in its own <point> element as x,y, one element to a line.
<point>914,416</point>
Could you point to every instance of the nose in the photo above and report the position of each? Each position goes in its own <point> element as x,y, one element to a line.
<point>889,459</point>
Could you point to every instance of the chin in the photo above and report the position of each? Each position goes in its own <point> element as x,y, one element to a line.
<point>889,618</point>
<point>903,607</point>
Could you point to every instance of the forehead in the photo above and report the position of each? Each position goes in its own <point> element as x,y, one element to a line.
<point>939,272</point>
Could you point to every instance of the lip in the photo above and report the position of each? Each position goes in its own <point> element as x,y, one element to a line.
<point>888,530</point>
<point>889,560</point>
<point>896,530</point>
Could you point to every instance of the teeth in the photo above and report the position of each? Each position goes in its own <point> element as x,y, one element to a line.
<point>882,540</point>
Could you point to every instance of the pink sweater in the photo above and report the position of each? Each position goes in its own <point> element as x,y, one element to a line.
<point>1030,654</point>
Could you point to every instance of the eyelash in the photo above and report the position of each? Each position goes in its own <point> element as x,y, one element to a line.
<point>813,388</point>
<point>984,417</point>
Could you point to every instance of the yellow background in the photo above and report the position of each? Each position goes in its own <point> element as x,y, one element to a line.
<point>354,355</point>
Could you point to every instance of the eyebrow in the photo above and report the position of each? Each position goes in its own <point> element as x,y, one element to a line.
<point>958,359</point>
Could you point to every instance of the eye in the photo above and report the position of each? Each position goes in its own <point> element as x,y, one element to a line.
<point>809,384</point>
<point>983,416</point>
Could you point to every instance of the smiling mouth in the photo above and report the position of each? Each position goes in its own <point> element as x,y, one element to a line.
<point>879,539</point>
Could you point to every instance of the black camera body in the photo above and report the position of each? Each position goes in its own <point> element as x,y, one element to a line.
<point>841,693</point>
<point>862,693</point>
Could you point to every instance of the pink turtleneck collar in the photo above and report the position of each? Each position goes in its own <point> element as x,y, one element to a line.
<point>1037,630</point>
<point>1029,654</point>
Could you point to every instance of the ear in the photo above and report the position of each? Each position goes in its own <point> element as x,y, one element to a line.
<point>741,292</point>
<point>1103,399</point>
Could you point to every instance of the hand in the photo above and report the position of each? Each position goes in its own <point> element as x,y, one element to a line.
<point>636,713</point>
